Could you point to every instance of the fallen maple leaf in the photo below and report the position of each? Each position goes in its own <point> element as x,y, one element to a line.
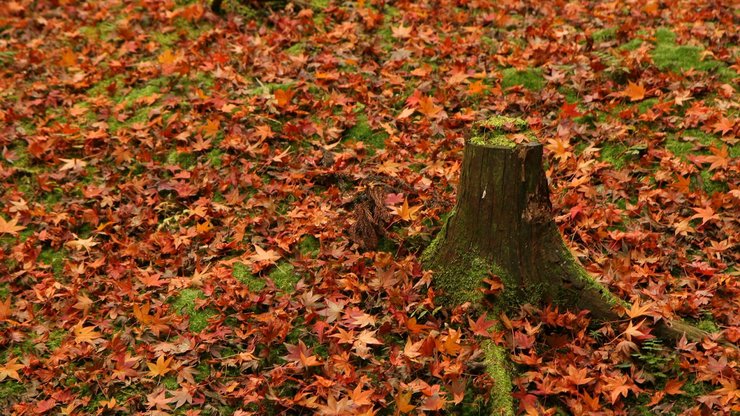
<point>428,108</point>
<point>85,333</point>
<point>406,213</point>
<point>405,113</point>
<point>706,214</point>
<point>161,367</point>
<point>634,91</point>
<point>283,97</point>
<point>403,402</point>
<point>211,127</point>
<point>10,227</point>
<point>401,32</point>
<point>80,243</point>
<point>577,376</point>
<point>5,309</point>
<point>10,369</point>
<point>264,256</point>
<point>673,387</point>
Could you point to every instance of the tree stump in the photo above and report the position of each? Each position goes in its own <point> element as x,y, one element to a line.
<point>502,224</point>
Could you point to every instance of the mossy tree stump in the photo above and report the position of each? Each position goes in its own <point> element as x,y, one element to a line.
<point>502,224</point>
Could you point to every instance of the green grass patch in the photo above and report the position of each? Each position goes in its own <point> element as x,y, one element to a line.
<point>604,35</point>
<point>185,304</point>
<point>530,78</point>
<point>296,49</point>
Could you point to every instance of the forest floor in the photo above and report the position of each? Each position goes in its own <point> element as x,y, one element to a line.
<point>216,215</point>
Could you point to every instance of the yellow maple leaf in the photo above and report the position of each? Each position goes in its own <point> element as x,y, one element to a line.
<point>161,367</point>
<point>407,213</point>
<point>85,333</point>
<point>167,58</point>
<point>10,369</point>
<point>403,402</point>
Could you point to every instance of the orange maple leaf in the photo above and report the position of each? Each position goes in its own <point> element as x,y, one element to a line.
<point>4,309</point>
<point>428,108</point>
<point>403,402</point>
<point>477,87</point>
<point>10,369</point>
<point>635,92</point>
<point>69,58</point>
<point>167,58</point>
<point>10,227</point>
<point>724,125</point>
<point>211,127</point>
<point>706,214</point>
<point>161,367</point>
<point>85,334</point>
<point>283,97</point>
<point>406,213</point>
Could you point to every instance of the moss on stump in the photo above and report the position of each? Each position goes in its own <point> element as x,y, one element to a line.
<point>502,224</point>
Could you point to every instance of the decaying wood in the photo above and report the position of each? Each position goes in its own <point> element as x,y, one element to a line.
<point>503,224</point>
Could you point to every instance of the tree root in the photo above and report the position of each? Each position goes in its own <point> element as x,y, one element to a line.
<point>499,368</point>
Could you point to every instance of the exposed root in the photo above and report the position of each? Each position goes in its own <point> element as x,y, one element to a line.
<point>499,368</point>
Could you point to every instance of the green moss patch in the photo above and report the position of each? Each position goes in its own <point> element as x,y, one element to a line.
<point>243,274</point>
<point>687,142</point>
<point>502,402</point>
<point>363,132</point>
<point>711,186</point>
<point>495,131</point>
<point>55,259</point>
<point>185,304</point>
<point>11,392</point>
<point>296,49</point>
<point>615,154</point>
<point>184,160</point>
<point>284,277</point>
<point>309,246</point>
<point>530,78</point>
<point>668,55</point>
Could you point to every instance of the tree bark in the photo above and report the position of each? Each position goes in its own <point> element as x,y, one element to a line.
<point>502,224</point>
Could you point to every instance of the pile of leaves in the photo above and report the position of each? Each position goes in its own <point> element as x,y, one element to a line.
<point>205,215</point>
